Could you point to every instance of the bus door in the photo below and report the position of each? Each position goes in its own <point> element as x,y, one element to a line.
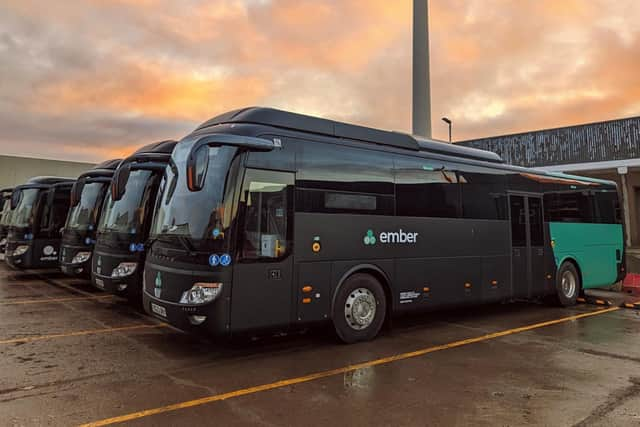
<point>263,276</point>
<point>527,245</point>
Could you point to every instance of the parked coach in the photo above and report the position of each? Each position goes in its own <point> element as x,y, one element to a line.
<point>120,249</point>
<point>38,212</point>
<point>79,235</point>
<point>5,217</point>
<point>269,220</point>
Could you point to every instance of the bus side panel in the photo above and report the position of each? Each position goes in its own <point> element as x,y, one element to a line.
<point>595,247</point>
<point>313,292</point>
<point>457,259</point>
<point>428,283</point>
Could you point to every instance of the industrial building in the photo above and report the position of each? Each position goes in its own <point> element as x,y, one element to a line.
<point>16,170</point>
<point>608,150</point>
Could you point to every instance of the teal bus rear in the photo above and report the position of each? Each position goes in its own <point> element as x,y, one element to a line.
<point>585,229</point>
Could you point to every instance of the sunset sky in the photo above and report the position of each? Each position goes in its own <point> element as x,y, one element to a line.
<point>90,80</point>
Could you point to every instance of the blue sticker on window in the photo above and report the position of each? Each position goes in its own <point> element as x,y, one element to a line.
<point>140,247</point>
<point>132,247</point>
<point>216,232</point>
<point>214,260</point>
<point>87,241</point>
<point>225,259</point>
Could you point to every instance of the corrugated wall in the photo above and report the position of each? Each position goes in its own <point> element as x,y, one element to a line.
<point>610,140</point>
<point>17,170</point>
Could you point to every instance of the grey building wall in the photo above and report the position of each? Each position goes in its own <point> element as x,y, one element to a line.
<point>17,170</point>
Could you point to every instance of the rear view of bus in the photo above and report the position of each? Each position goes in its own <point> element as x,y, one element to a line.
<point>126,217</point>
<point>38,212</point>
<point>5,217</point>
<point>79,233</point>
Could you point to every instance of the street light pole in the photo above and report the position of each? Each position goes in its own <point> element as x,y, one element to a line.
<point>421,92</point>
<point>448,121</point>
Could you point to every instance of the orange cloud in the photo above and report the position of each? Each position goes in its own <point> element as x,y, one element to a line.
<point>91,80</point>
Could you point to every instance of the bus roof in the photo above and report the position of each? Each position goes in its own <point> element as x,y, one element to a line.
<point>108,164</point>
<point>157,147</point>
<point>294,121</point>
<point>48,180</point>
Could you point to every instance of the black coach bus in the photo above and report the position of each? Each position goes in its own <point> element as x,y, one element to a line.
<point>38,212</point>
<point>79,234</point>
<point>5,217</point>
<point>124,226</point>
<point>269,220</point>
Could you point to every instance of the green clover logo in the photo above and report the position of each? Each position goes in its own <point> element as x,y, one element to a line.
<point>369,239</point>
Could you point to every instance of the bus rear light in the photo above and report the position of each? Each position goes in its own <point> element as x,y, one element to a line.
<point>425,289</point>
<point>494,283</point>
<point>201,293</point>
<point>307,288</point>
<point>306,300</point>
<point>467,285</point>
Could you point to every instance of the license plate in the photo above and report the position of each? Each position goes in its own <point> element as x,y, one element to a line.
<point>159,310</point>
<point>100,283</point>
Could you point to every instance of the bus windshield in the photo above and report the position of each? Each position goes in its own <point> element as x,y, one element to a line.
<point>22,215</point>
<point>83,216</point>
<point>126,215</point>
<point>5,215</point>
<point>197,215</point>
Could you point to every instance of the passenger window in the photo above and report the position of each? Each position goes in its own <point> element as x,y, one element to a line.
<point>266,202</point>
<point>426,188</point>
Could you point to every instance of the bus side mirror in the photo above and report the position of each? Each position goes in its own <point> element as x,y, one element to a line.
<point>76,192</point>
<point>119,181</point>
<point>15,198</point>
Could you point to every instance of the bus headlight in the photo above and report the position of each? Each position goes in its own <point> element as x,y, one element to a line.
<point>124,269</point>
<point>20,250</point>
<point>201,293</point>
<point>81,257</point>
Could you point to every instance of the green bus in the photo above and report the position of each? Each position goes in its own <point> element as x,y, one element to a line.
<point>269,220</point>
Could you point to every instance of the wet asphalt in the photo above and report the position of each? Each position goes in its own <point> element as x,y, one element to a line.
<point>70,355</point>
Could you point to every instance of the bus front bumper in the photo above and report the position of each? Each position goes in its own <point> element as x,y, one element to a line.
<point>211,318</point>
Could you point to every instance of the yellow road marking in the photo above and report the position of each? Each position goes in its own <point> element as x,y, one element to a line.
<point>80,333</point>
<point>337,371</point>
<point>46,300</point>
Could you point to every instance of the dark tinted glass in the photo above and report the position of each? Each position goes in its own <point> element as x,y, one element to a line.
<point>570,206</point>
<point>426,188</point>
<point>342,168</point>
<point>608,207</point>
<point>535,222</point>
<point>483,193</point>
<point>283,158</point>
<point>518,221</point>
<point>337,202</point>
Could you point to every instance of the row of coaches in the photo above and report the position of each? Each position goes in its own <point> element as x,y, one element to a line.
<point>267,220</point>
<point>84,225</point>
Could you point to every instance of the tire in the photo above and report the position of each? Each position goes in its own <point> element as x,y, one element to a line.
<point>568,284</point>
<point>353,317</point>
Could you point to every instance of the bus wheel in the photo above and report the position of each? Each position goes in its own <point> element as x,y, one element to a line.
<point>567,284</point>
<point>360,308</point>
